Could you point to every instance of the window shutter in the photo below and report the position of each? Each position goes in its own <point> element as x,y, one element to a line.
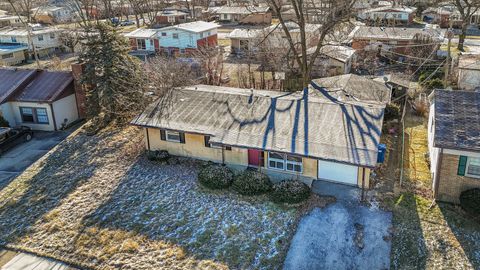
<point>162,135</point>
<point>182,137</point>
<point>462,165</point>
<point>207,141</point>
<point>229,148</point>
<point>262,159</point>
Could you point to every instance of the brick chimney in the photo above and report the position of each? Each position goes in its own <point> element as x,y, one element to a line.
<point>77,70</point>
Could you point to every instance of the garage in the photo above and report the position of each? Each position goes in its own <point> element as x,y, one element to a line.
<point>338,172</point>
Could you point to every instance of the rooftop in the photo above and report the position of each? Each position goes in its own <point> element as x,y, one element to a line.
<point>297,123</point>
<point>339,52</point>
<point>21,31</point>
<point>142,33</point>
<point>469,61</point>
<point>240,10</point>
<point>12,47</point>
<point>457,119</point>
<point>33,85</point>
<point>350,88</point>
<point>197,27</point>
<point>390,9</point>
<point>396,33</point>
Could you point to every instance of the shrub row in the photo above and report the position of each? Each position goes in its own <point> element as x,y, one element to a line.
<point>470,202</point>
<point>249,182</point>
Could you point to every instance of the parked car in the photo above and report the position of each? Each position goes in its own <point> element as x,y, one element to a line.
<point>126,23</point>
<point>10,137</point>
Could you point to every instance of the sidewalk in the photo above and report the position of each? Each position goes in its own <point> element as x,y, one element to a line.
<point>10,260</point>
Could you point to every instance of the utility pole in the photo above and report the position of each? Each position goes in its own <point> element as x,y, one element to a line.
<point>447,64</point>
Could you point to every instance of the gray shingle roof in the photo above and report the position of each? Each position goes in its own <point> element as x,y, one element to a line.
<point>396,33</point>
<point>457,119</point>
<point>350,88</point>
<point>286,122</point>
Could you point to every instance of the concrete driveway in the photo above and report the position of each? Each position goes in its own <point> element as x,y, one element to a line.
<point>17,159</point>
<point>10,260</point>
<point>343,235</point>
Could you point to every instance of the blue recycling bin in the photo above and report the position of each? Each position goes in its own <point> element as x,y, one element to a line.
<point>382,149</point>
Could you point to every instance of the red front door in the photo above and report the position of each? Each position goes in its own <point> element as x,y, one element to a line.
<point>254,157</point>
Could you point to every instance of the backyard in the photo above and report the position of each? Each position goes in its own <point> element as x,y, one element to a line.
<point>97,202</point>
<point>426,235</point>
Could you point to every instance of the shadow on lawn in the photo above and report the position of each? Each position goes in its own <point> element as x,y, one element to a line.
<point>465,229</point>
<point>26,199</point>
<point>164,204</point>
<point>408,246</point>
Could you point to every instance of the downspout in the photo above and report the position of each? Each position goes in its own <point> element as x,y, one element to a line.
<point>148,139</point>
<point>363,184</point>
<point>437,174</point>
<point>53,117</point>
<point>223,156</point>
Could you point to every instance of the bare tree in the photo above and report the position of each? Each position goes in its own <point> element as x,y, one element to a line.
<point>332,14</point>
<point>466,8</point>
<point>23,10</point>
<point>211,60</point>
<point>70,39</point>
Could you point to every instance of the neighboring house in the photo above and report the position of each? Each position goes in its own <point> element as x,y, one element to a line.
<point>271,37</point>
<point>45,39</point>
<point>397,83</point>
<point>395,39</point>
<point>11,20</point>
<point>12,54</point>
<point>53,14</point>
<point>469,72</point>
<point>333,60</point>
<point>171,17</point>
<point>186,38</point>
<point>454,142</point>
<point>446,15</point>
<point>287,135</point>
<point>387,15</point>
<point>351,88</point>
<point>243,14</point>
<point>144,42</point>
<point>39,99</point>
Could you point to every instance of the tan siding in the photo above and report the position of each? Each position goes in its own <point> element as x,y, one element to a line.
<point>360,176</point>
<point>451,184</point>
<point>194,147</point>
<point>310,167</point>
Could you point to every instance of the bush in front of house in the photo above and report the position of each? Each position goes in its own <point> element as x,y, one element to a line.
<point>470,202</point>
<point>290,191</point>
<point>250,182</point>
<point>392,111</point>
<point>215,176</point>
<point>158,155</point>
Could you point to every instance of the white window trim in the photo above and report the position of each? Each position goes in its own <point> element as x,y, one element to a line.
<point>466,169</point>
<point>285,161</point>
<point>167,133</point>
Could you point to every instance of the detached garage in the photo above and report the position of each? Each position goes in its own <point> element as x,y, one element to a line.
<point>337,172</point>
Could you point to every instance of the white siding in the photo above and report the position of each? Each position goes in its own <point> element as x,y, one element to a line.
<point>18,118</point>
<point>185,39</point>
<point>65,109</point>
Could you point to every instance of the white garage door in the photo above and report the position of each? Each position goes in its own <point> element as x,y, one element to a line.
<point>337,172</point>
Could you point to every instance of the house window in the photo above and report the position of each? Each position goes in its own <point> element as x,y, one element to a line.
<point>182,51</point>
<point>225,16</point>
<point>172,136</point>
<point>171,19</point>
<point>141,44</point>
<point>164,34</point>
<point>34,115</point>
<point>7,56</point>
<point>52,35</point>
<point>175,35</point>
<point>14,39</point>
<point>209,33</point>
<point>201,35</point>
<point>40,38</point>
<point>473,167</point>
<point>285,162</point>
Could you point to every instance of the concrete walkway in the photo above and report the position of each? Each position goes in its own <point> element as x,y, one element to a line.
<point>10,260</point>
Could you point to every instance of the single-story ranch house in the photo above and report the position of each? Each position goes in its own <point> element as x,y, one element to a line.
<point>454,142</point>
<point>40,99</point>
<point>286,135</point>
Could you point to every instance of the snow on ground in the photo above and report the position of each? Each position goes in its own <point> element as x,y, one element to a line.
<point>96,202</point>
<point>341,236</point>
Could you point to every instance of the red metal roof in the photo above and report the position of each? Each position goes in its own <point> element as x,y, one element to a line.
<point>34,85</point>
